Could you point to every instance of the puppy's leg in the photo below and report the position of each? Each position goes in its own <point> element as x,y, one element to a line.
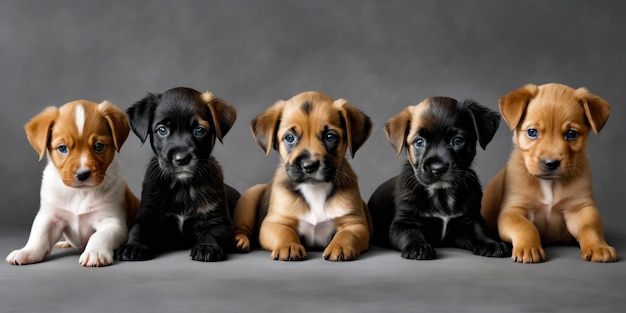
<point>586,226</point>
<point>470,233</point>
<point>245,215</point>
<point>148,236</point>
<point>110,233</point>
<point>214,236</point>
<point>45,232</point>
<point>351,239</point>
<point>515,227</point>
<point>406,236</point>
<point>280,237</point>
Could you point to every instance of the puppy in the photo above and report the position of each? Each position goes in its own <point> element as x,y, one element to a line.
<point>544,193</point>
<point>185,203</point>
<point>435,201</point>
<point>83,192</point>
<point>313,201</point>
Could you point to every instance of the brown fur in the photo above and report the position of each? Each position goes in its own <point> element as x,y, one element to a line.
<point>306,114</point>
<point>529,205</point>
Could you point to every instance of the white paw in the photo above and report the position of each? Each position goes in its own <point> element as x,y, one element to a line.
<point>23,257</point>
<point>96,258</point>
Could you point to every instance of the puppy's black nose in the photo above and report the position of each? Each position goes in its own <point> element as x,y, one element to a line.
<point>182,158</point>
<point>551,165</point>
<point>436,168</point>
<point>82,175</point>
<point>310,166</point>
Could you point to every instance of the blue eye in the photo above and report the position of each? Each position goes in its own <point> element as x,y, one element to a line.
<point>532,133</point>
<point>162,131</point>
<point>330,137</point>
<point>63,149</point>
<point>199,131</point>
<point>419,142</point>
<point>289,138</point>
<point>458,141</point>
<point>571,135</point>
<point>98,147</point>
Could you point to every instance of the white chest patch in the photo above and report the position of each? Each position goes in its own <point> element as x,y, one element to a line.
<point>546,192</point>
<point>316,226</point>
<point>80,119</point>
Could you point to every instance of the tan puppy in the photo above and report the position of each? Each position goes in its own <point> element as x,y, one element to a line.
<point>83,192</point>
<point>314,194</point>
<point>544,193</point>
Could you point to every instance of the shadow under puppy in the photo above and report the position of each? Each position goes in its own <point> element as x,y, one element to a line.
<point>435,201</point>
<point>544,193</point>
<point>313,200</point>
<point>184,201</point>
<point>84,195</point>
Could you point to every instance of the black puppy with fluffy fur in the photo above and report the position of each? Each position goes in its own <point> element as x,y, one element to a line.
<point>435,201</point>
<point>184,201</point>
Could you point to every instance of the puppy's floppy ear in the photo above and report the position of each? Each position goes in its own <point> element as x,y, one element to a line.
<point>265,126</point>
<point>118,122</point>
<point>514,104</point>
<point>358,125</point>
<point>223,114</point>
<point>397,128</point>
<point>596,109</point>
<point>486,121</point>
<point>140,115</point>
<point>39,129</point>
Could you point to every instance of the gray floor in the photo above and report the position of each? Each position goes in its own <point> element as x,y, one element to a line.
<point>380,281</point>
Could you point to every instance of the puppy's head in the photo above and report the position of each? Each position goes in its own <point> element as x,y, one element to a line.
<point>182,125</point>
<point>440,136</point>
<point>81,138</point>
<point>551,126</point>
<point>311,133</point>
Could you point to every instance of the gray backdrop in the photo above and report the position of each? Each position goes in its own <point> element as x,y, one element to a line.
<point>380,55</point>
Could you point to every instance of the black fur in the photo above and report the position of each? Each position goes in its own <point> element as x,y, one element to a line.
<point>182,178</point>
<point>408,211</point>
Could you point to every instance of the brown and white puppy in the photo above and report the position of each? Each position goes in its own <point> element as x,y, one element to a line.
<point>313,201</point>
<point>83,192</point>
<point>544,193</point>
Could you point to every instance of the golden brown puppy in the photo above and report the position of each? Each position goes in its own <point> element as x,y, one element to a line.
<point>314,194</point>
<point>544,193</point>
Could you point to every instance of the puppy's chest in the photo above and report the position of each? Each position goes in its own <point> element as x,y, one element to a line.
<point>316,226</point>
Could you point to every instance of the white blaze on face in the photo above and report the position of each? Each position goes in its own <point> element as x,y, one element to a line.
<point>80,119</point>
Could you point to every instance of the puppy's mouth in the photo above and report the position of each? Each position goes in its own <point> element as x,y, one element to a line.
<point>310,171</point>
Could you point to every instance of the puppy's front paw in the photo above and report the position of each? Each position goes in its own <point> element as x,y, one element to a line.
<point>96,258</point>
<point>496,249</point>
<point>600,253</point>
<point>23,257</point>
<point>207,253</point>
<point>292,252</point>
<point>338,253</point>
<point>133,252</point>
<point>419,251</point>
<point>242,242</point>
<point>528,254</point>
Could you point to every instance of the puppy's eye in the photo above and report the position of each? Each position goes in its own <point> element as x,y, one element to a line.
<point>162,131</point>
<point>458,141</point>
<point>571,135</point>
<point>532,133</point>
<point>289,138</point>
<point>63,149</point>
<point>199,131</point>
<point>419,143</point>
<point>98,147</point>
<point>330,137</point>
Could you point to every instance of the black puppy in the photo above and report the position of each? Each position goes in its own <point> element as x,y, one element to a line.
<point>436,199</point>
<point>184,201</point>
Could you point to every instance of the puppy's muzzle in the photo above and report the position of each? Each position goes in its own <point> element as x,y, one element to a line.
<point>82,175</point>
<point>549,168</point>
<point>307,168</point>
<point>435,167</point>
